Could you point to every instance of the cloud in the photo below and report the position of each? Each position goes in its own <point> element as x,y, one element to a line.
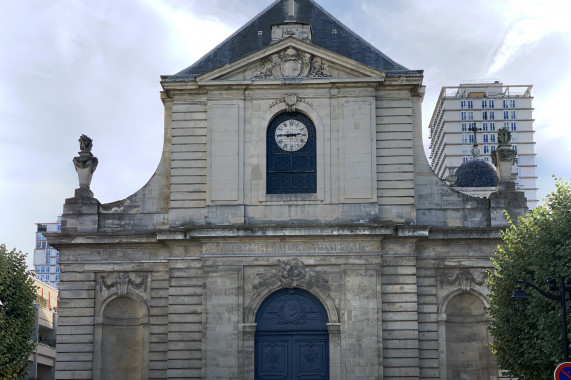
<point>531,21</point>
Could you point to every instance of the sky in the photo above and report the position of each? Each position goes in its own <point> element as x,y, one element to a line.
<point>72,67</point>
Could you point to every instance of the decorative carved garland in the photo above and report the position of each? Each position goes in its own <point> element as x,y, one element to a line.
<point>122,283</point>
<point>292,273</point>
<point>291,100</point>
<point>464,277</point>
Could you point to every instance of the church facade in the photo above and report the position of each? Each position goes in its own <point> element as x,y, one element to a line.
<point>292,230</point>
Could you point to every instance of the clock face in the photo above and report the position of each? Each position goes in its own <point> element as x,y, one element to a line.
<point>291,135</point>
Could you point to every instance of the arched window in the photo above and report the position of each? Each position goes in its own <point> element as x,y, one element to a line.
<point>291,155</point>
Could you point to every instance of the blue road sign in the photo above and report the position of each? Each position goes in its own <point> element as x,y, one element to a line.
<point>563,371</point>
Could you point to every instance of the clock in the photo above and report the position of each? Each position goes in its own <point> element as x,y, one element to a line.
<point>291,135</point>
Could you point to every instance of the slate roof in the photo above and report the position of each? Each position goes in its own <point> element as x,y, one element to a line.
<point>246,41</point>
<point>476,173</point>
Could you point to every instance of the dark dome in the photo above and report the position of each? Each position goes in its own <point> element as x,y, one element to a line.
<point>476,173</point>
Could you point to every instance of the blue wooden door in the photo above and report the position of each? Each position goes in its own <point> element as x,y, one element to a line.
<point>291,337</point>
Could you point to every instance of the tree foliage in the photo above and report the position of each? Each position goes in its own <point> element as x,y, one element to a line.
<point>539,246</point>
<point>17,315</point>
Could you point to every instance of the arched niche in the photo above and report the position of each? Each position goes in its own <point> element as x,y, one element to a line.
<point>465,338</point>
<point>122,339</point>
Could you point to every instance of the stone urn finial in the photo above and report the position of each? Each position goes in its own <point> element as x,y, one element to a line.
<point>86,163</point>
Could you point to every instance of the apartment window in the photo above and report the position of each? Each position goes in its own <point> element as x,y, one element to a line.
<point>464,127</point>
<point>513,115</point>
<point>514,147</point>
<point>491,103</point>
<point>486,149</point>
<point>48,260</point>
<point>506,115</point>
<point>471,138</point>
<point>471,125</point>
<point>513,126</point>
<point>57,269</point>
<point>492,127</point>
<point>506,125</point>
<point>486,138</point>
<point>484,104</point>
<point>493,148</point>
<point>492,115</point>
<point>56,260</point>
<point>492,137</point>
<point>463,115</point>
<point>59,227</point>
<point>505,103</point>
<point>485,127</point>
<point>484,115</point>
<point>470,104</point>
<point>512,103</point>
<point>487,158</point>
<point>462,104</point>
<point>464,139</point>
<point>56,277</point>
<point>465,159</point>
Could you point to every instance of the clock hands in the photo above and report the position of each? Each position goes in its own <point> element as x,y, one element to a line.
<point>288,134</point>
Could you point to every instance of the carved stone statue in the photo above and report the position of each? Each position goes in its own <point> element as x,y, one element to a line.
<point>504,136</point>
<point>86,163</point>
<point>504,157</point>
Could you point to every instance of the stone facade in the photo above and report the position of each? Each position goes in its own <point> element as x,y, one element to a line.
<point>168,283</point>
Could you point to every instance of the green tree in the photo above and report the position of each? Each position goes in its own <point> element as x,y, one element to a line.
<point>539,246</point>
<point>17,315</point>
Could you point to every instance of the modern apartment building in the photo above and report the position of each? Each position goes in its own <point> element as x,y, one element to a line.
<point>486,106</point>
<point>46,258</point>
<point>42,359</point>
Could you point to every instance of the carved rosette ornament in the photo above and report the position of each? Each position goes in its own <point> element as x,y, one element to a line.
<point>504,157</point>
<point>86,163</point>
<point>290,64</point>
<point>291,274</point>
<point>464,278</point>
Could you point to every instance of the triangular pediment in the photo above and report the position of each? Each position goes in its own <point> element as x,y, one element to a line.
<point>291,59</point>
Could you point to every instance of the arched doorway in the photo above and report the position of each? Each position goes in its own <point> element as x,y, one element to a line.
<point>291,339</point>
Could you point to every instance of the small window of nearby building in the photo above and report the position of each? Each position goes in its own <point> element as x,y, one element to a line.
<point>471,115</point>
<point>465,159</point>
<point>57,269</point>
<point>465,139</point>
<point>506,125</point>
<point>471,138</point>
<point>513,115</point>
<point>463,115</point>
<point>493,148</point>
<point>492,137</point>
<point>484,127</point>
<point>48,260</point>
<point>514,147</point>
<point>491,103</point>
<point>492,127</point>
<point>486,149</point>
<point>464,127</point>
<point>492,115</point>
<point>462,104</point>
<point>513,126</point>
<point>470,104</point>
<point>486,138</point>
<point>512,103</point>
<point>484,103</point>
<point>59,227</point>
<point>506,115</point>
<point>484,115</point>
<point>505,103</point>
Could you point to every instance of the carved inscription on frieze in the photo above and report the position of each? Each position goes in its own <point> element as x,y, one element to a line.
<point>292,247</point>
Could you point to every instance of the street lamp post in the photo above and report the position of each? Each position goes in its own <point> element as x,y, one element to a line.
<point>519,302</point>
